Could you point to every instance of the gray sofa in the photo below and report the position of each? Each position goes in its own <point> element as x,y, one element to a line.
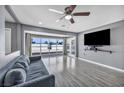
<point>36,74</point>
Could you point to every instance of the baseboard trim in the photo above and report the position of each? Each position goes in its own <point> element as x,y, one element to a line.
<point>93,62</point>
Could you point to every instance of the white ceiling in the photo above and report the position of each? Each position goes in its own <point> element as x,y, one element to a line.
<point>100,15</point>
<point>47,34</point>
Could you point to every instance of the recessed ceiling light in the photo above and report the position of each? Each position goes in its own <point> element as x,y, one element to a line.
<point>40,23</point>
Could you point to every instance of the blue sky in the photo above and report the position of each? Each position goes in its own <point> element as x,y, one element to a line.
<point>37,40</point>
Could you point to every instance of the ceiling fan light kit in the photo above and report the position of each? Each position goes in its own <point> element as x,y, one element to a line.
<point>68,14</point>
<point>68,17</point>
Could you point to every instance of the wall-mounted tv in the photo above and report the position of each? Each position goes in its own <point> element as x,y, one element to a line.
<point>97,38</point>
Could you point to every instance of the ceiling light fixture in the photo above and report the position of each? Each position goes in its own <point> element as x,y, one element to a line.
<point>68,17</point>
<point>40,23</point>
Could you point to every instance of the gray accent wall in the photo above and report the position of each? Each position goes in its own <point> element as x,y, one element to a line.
<point>18,34</point>
<point>19,30</point>
<point>116,59</point>
<point>2,30</point>
<point>13,28</point>
<point>77,45</point>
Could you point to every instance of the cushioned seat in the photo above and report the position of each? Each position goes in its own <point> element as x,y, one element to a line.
<point>36,69</point>
<point>36,74</point>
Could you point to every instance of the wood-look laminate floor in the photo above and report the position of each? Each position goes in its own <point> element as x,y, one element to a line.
<point>71,72</point>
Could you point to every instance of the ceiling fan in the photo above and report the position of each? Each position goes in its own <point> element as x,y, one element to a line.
<point>68,14</point>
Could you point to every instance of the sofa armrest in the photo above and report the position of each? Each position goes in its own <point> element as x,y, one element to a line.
<point>35,58</point>
<point>45,81</point>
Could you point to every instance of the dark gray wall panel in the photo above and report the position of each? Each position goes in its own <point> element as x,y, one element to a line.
<point>13,27</point>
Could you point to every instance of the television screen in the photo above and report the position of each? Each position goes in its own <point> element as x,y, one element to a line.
<point>97,38</point>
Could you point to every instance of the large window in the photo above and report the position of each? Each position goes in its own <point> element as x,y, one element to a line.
<point>59,45</point>
<point>36,45</point>
<point>46,45</point>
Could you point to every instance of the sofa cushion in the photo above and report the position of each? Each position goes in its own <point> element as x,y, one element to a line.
<point>28,60</point>
<point>35,58</point>
<point>5,69</point>
<point>36,69</point>
<point>14,77</point>
<point>23,62</point>
<point>19,65</point>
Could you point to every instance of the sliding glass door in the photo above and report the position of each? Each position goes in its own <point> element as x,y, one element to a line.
<point>52,45</point>
<point>59,45</point>
<point>46,45</point>
<point>36,43</point>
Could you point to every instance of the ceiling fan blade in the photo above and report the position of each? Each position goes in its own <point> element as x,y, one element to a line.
<point>72,7</point>
<point>69,9</point>
<point>56,11</point>
<point>81,14</point>
<point>72,20</point>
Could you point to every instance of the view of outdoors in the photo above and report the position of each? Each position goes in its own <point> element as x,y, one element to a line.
<point>46,45</point>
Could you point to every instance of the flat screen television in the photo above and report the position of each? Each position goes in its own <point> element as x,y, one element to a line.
<point>98,38</point>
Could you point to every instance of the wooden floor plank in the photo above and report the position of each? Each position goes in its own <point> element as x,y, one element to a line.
<point>71,72</point>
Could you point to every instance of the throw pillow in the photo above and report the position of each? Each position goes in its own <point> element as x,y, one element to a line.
<point>14,77</point>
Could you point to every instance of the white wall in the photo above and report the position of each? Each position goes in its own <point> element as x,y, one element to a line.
<point>5,59</point>
<point>2,32</point>
<point>7,41</point>
<point>116,59</point>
